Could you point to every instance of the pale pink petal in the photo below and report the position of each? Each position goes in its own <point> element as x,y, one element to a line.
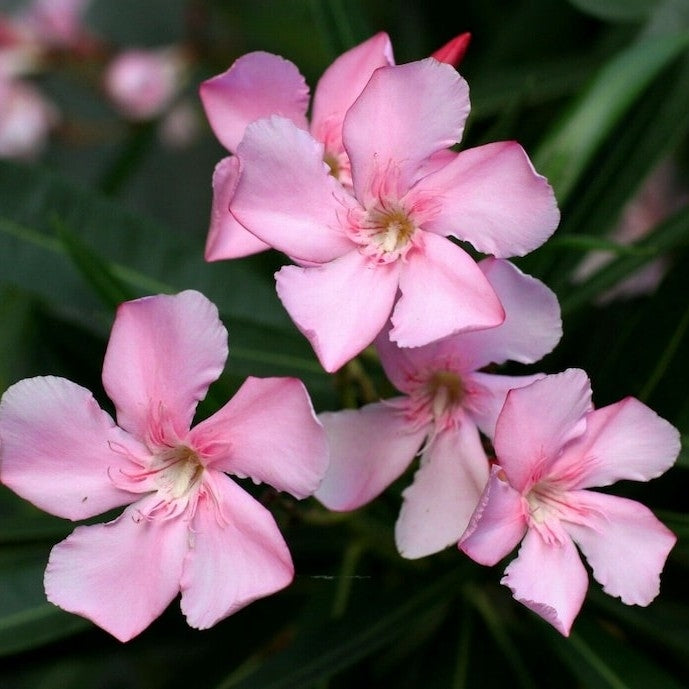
<point>285,194</point>
<point>257,85</point>
<point>267,431</point>
<point>405,114</point>
<point>340,306</point>
<point>446,489</point>
<point>624,543</point>
<point>342,83</point>
<point>462,298</point>
<point>369,449</point>
<point>625,440</point>
<point>120,575</point>
<point>227,237</point>
<point>532,325</point>
<point>164,352</point>
<point>58,446</point>
<point>536,422</point>
<point>498,523</point>
<point>401,364</point>
<point>548,578</point>
<point>236,555</point>
<point>486,394</point>
<point>494,199</point>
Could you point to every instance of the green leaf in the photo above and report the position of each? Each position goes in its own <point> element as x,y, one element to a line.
<point>604,660</point>
<point>122,256</point>
<point>325,648</point>
<point>570,146</point>
<point>143,256</point>
<point>664,622</point>
<point>97,272</point>
<point>27,620</point>
<point>671,233</point>
<point>617,10</point>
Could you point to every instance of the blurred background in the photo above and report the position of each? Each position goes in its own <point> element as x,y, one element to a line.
<point>106,160</point>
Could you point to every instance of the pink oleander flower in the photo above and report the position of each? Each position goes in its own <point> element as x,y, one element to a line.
<point>188,527</point>
<point>142,83</point>
<point>381,247</point>
<point>26,119</point>
<point>261,84</point>
<point>447,401</point>
<point>551,447</point>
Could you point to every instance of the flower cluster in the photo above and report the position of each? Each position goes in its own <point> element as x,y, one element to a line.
<point>382,218</point>
<point>44,36</point>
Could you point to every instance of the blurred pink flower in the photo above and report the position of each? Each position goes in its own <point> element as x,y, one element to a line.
<point>447,401</point>
<point>552,446</point>
<point>56,23</point>
<point>659,197</point>
<point>357,247</point>
<point>143,83</point>
<point>180,125</point>
<point>26,119</point>
<point>188,527</point>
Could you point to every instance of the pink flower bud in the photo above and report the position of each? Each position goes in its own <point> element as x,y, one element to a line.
<point>142,83</point>
<point>453,51</point>
<point>26,118</point>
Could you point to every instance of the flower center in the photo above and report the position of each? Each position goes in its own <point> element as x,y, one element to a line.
<point>385,232</point>
<point>446,391</point>
<point>178,472</point>
<point>548,505</point>
<point>390,230</point>
<point>436,397</point>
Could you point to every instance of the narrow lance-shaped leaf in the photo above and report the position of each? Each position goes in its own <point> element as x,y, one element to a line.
<point>571,144</point>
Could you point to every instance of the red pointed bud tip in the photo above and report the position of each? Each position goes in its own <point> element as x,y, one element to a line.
<point>453,51</point>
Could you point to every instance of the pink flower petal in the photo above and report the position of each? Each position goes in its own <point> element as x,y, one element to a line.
<point>236,555</point>
<point>369,449</point>
<point>548,578</point>
<point>285,194</point>
<point>267,431</point>
<point>537,421</point>
<point>486,394</point>
<point>462,297</point>
<point>227,237</point>
<point>446,489</point>
<point>405,114</point>
<point>531,329</point>
<point>625,440</point>
<point>532,325</point>
<point>498,523</point>
<point>494,199</point>
<point>340,306</point>
<point>164,352</point>
<point>342,83</point>
<point>624,543</point>
<point>402,364</point>
<point>257,85</point>
<point>58,446</point>
<point>120,575</point>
